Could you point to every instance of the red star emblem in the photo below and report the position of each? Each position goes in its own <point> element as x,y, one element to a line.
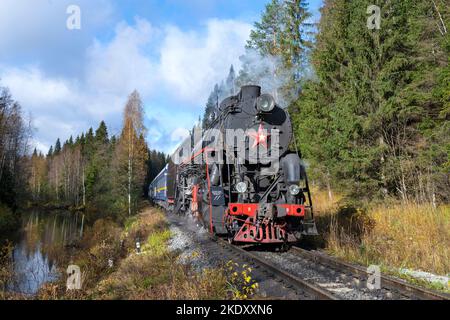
<point>259,137</point>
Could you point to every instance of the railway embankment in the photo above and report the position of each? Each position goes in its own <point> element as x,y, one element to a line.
<point>133,261</point>
<point>149,257</point>
<point>138,264</point>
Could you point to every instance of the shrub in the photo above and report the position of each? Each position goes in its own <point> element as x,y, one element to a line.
<point>8,221</point>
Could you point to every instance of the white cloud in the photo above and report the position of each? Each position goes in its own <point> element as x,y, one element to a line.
<point>29,85</point>
<point>61,107</point>
<point>121,65</point>
<point>179,134</point>
<point>177,66</point>
<point>192,62</point>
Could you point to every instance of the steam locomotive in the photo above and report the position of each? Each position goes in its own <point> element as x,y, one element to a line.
<point>242,178</point>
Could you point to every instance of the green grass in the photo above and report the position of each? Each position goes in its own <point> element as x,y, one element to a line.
<point>157,243</point>
<point>130,223</point>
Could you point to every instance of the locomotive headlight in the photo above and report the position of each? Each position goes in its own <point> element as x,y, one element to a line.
<point>241,187</point>
<point>294,189</point>
<point>265,103</point>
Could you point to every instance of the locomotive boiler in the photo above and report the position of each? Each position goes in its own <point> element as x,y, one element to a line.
<point>241,178</point>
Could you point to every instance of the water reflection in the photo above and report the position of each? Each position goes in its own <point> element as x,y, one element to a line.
<point>43,239</point>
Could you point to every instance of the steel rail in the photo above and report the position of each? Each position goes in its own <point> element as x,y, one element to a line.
<point>313,290</point>
<point>387,282</point>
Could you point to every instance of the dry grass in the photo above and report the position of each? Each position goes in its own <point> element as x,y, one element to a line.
<point>160,277</point>
<point>101,243</point>
<point>398,235</point>
<point>156,273</point>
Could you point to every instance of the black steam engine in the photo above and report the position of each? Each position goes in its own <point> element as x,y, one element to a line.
<point>242,178</point>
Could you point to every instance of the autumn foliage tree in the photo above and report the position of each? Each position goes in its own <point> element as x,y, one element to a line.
<point>15,133</point>
<point>106,175</point>
<point>38,176</point>
<point>131,153</point>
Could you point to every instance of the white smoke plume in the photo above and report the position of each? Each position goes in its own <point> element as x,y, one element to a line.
<point>268,72</point>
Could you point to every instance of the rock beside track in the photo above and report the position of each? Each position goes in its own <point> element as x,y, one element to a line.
<point>344,286</point>
<point>196,248</point>
<point>187,244</point>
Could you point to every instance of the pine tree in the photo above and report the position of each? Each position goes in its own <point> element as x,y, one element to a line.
<point>297,35</point>
<point>211,107</point>
<point>267,35</point>
<point>113,140</point>
<point>82,140</point>
<point>101,134</point>
<point>231,82</point>
<point>57,147</point>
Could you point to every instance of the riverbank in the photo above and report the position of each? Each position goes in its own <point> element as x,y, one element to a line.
<point>157,272</point>
<point>112,268</point>
<point>55,206</point>
<point>10,219</point>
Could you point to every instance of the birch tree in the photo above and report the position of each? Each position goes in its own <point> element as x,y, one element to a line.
<point>132,151</point>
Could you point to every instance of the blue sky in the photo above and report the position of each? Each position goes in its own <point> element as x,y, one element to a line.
<point>171,51</point>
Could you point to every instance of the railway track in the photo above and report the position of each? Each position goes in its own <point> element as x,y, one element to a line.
<point>313,291</point>
<point>312,275</point>
<point>388,283</point>
<point>218,252</point>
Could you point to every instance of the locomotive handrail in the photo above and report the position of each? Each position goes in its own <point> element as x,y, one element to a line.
<point>269,190</point>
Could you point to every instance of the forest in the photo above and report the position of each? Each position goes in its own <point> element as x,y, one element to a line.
<point>370,107</point>
<point>104,175</point>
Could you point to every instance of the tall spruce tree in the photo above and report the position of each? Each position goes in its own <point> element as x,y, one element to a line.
<point>211,107</point>
<point>57,146</point>
<point>283,40</point>
<point>370,111</point>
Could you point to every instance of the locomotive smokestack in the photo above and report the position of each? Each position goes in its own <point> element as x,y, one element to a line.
<point>250,92</point>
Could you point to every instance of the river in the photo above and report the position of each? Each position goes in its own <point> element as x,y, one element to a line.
<point>43,238</point>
